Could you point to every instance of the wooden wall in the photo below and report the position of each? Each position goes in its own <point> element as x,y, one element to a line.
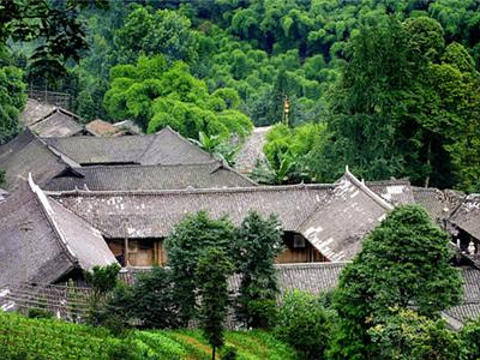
<point>141,252</point>
<point>150,251</point>
<point>298,250</point>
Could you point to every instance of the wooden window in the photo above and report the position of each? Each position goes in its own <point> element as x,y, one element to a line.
<point>299,242</point>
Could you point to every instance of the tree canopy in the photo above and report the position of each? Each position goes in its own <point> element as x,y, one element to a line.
<point>404,263</point>
<point>392,85</point>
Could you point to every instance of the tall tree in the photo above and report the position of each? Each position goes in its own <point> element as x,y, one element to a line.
<point>257,243</point>
<point>189,240</point>
<point>156,94</point>
<point>367,100</point>
<point>404,263</point>
<point>213,270</point>
<point>165,32</point>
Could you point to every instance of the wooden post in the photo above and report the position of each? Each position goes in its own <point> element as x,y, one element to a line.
<point>25,227</point>
<point>127,259</point>
<point>286,110</point>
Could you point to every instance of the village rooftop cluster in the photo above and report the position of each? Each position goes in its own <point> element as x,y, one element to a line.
<point>77,196</point>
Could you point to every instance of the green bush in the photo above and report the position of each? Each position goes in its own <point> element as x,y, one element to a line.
<point>304,323</point>
<point>470,336</point>
<point>228,352</point>
<point>39,314</point>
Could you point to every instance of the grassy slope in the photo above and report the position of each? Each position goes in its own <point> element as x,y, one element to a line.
<point>23,338</point>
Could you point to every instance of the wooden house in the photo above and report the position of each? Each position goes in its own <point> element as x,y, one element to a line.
<point>41,241</point>
<point>320,222</point>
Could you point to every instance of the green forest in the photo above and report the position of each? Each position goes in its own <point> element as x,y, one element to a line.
<point>388,87</point>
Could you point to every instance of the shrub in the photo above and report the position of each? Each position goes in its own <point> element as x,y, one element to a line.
<point>228,352</point>
<point>153,296</point>
<point>39,314</point>
<point>305,324</point>
<point>470,337</point>
<point>102,280</point>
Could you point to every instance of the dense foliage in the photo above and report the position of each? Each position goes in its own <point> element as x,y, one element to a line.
<point>251,247</point>
<point>392,85</point>
<point>101,280</point>
<point>257,242</point>
<point>12,100</point>
<point>156,94</point>
<point>305,323</point>
<point>153,297</point>
<point>189,240</point>
<point>409,336</point>
<point>404,262</point>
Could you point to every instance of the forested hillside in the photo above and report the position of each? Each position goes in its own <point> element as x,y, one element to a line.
<point>389,87</point>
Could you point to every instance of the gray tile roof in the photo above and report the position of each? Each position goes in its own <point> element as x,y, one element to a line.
<point>397,192</point>
<point>251,151</point>
<point>169,147</point>
<point>334,218</point>
<point>149,177</point>
<point>314,278</point>
<point>439,204</point>
<point>41,241</point>
<point>154,214</point>
<point>470,308</point>
<point>34,111</point>
<point>166,147</point>
<point>339,224</point>
<point>467,216</point>
<point>87,150</point>
<point>58,123</point>
<point>28,154</point>
<point>100,127</point>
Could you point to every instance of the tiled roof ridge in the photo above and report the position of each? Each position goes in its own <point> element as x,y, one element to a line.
<point>137,166</point>
<point>224,165</point>
<point>150,144</point>
<point>361,185</point>
<point>426,189</point>
<point>97,138</point>
<point>66,112</point>
<point>180,192</point>
<point>54,110</point>
<point>48,211</point>
<point>39,120</point>
<point>313,265</point>
<point>66,160</point>
<point>189,143</point>
<point>389,182</point>
<point>170,130</point>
